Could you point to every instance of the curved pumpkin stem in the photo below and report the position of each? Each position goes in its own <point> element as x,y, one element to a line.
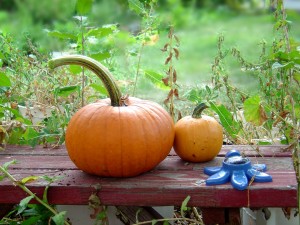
<point>101,71</point>
<point>198,110</point>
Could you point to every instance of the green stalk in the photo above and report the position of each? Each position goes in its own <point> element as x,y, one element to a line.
<point>198,110</point>
<point>29,192</point>
<point>101,71</point>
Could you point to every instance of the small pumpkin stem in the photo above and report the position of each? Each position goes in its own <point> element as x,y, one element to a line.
<point>101,71</point>
<point>198,110</point>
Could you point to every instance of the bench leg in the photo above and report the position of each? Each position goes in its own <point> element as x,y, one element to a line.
<point>221,216</point>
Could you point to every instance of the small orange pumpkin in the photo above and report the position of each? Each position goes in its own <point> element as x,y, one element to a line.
<point>118,136</point>
<point>198,138</point>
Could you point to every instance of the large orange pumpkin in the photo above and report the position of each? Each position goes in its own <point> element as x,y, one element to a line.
<point>118,136</point>
<point>198,138</point>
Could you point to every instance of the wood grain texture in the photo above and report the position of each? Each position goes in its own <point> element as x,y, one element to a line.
<point>168,184</point>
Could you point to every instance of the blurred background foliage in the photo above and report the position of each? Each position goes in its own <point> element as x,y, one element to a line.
<point>245,23</point>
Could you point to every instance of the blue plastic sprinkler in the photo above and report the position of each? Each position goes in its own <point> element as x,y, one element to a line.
<point>238,170</point>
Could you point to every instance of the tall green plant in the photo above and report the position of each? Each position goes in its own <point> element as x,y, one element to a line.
<point>275,110</point>
<point>28,85</point>
<point>147,35</point>
<point>172,50</point>
<point>87,40</point>
<point>277,69</point>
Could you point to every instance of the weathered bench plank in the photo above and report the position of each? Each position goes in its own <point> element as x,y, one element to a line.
<point>168,184</point>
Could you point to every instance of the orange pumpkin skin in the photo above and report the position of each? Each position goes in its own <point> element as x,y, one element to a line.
<point>119,141</point>
<point>198,139</point>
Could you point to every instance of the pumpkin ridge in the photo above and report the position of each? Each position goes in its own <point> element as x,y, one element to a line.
<point>121,144</point>
<point>75,132</point>
<point>156,122</point>
<point>138,119</point>
<point>88,124</point>
<point>157,130</point>
<point>154,111</point>
<point>136,135</point>
<point>102,130</point>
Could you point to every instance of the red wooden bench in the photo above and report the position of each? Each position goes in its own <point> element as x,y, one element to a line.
<point>168,184</point>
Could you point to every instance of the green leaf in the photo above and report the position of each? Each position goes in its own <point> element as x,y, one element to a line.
<point>66,91</point>
<point>75,69</point>
<point>4,80</point>
<point>283,56</point>
<point>1,59</point>
<point>51,178</point>
<point>264,142</point>
<point>59,218</point>
<point>156,79</point>
<point>17,114</point>
<point>194,95</point>
<point>60,35</point>
<point>295,54</point>
<point>276,65</point>
<point>254,111</point>
<point>100,56</point>
<point>297,111</point>
<point>15,135</point>
<point>296,76</point>
<point>23,204</point>
<point>208,90</point>
<point>136,6</point>
<point>184,207</point>
<point>31,136</point>
<point>31,220</point>
<point>102,215</point>
<point>231,126</point>
<point>83,7</point>
<point>101,32</point>
<point>284,141</point>
<point>29,179</point>
<point>7,164</point>
<point>45,194</point>
<point>153,222</point>
<point>99,88</point>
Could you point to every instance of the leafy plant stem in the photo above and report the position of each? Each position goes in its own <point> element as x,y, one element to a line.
<point>171,71</point>
<point>138,67</point>
<point>196,213</point>
<point>28,191</point>
<point>83,77</point>
<point>287,90</point>
<point>149,26</point>
<point>285,27</point>
<point>171,47</point>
